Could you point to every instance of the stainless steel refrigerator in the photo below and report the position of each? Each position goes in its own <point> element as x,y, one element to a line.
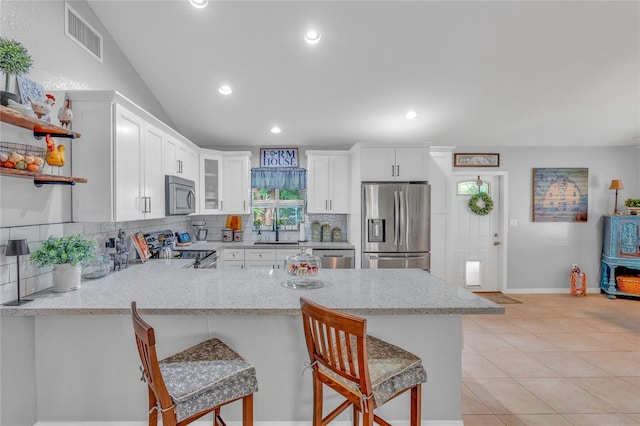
<point>396,222</point>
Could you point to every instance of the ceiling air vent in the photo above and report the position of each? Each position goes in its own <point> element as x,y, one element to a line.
<point>79,30</point>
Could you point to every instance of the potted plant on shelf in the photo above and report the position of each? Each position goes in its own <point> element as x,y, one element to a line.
<point>65,254</point>
<point>633,205</point>
<point>14,60</point>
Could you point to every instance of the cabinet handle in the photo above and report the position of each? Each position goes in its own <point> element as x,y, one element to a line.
<point>326,204</point>
<point>149,208</point>
<point>244,205</point>
<point>398,174</point>
<point>221,208</point>
<point>330,204</point>
<point>393,171</point>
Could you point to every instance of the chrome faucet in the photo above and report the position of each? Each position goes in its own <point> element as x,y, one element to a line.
<point>276,227</point>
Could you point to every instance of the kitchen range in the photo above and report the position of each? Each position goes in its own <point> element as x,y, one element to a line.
<point>167,245</point>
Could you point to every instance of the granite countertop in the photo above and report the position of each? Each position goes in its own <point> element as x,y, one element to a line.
<point>220,245</point>
<point>167,287</point>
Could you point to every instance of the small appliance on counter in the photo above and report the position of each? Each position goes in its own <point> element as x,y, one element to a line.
<point>200,231</point>
<point>227,234</point>
<point>237,235</point>
<point>184,239</point>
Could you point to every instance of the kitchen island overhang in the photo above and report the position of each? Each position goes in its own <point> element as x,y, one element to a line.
<point>83,338</point>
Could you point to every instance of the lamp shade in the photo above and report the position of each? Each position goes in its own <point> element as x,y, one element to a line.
<point>17,248</point>
<point>616,184</point>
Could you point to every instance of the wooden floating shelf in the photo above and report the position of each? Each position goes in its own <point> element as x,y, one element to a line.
<point>39,127</point>
<point>40,179</point>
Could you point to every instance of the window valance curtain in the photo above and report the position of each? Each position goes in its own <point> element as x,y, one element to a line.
<point>279,178</point>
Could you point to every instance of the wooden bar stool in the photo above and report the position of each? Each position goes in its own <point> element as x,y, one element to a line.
<point>365,370</point>
<point>194,382</point>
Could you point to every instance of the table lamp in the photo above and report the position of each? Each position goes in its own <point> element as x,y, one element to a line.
<point>616,184</point>
<point>17,248</point>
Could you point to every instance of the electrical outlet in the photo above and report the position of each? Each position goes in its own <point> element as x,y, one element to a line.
<point>513,222</point>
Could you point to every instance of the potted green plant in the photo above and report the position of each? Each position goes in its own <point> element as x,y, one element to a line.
<point>65,254</point>
<point>633,205</point>
<point>14,60</point>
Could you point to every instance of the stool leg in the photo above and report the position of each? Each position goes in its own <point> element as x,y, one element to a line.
<point>416,403</point>
<point>153,414</point>
<point>247,410</point>
<point>317,401</point>
<point>356,416</point>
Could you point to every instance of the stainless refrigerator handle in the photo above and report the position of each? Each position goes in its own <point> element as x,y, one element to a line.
<point>402,225</point>
<point>396,219</point>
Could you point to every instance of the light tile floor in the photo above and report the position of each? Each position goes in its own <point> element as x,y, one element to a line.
<point>553,360</point>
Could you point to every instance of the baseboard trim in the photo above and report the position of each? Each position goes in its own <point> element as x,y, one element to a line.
<point>257,423</point>
<point>590,290</point>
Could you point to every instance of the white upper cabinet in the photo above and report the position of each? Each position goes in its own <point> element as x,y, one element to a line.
<point>210,182</point>
<point>122,158</point>
<point>236,184</point>
<point>154,185</point>
<point>394,164</point>
<point>328,182</point>
<point>181,159</point>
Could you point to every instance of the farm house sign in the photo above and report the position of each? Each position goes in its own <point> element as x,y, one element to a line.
<point>278,157</point>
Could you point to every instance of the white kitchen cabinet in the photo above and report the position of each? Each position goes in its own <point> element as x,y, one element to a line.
<point>181,159</point>
<point>328,182</point>
<point>394,164</point>
<point>282,254</point>
<point>210,183</point>
<point>233,258</point>
<point>236,184</point>
<point>260,258</point>
<point>122,159</point>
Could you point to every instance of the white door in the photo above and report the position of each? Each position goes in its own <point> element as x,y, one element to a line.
<point>476,243</point>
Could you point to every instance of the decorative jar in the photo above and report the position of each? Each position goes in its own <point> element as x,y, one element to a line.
<point>303,267</point>
<point>96,267</point>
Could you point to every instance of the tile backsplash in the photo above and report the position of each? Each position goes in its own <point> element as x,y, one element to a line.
<point>34,279</point>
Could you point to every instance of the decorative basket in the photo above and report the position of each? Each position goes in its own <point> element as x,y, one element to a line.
<point>22,157</point>
<point>628,284</point>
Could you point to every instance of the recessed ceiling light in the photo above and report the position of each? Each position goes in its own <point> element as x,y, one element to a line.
<point>312,37</point>
<point>276,129</point>
<point>200,4</point>
<point>225,90</point>
<point>410,115</point>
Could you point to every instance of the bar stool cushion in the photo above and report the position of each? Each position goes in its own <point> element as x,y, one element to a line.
<point>391,370</point>
<point>206,375</point>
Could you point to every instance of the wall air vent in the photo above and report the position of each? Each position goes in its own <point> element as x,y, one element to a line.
<point>79,30</point>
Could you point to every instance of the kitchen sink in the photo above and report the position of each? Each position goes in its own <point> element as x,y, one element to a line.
<point>279,243</point>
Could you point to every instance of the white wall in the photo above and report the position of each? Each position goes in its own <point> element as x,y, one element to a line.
<point>59,64</point>
<point>541,254</point>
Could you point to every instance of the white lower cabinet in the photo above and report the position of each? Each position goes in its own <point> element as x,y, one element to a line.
<point>233,258</point>
<point>258,258</point>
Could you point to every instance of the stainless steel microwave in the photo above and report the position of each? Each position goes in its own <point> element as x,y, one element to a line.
<point>180,195</point>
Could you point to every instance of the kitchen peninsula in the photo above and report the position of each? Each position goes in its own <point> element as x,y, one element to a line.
<point>74,357</point>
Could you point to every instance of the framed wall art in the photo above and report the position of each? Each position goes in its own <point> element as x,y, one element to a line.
<point>476,160</point>
<point>278,157</point>
<point>560,194</point>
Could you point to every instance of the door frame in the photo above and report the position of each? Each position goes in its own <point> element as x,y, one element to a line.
<point>503,220</point>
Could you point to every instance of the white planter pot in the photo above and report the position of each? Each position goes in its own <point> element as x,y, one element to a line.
<point>66,277</point>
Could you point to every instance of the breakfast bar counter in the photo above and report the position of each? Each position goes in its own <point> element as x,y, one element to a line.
<point>74,357</point>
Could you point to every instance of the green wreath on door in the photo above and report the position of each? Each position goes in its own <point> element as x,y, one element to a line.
<point>481,204</point>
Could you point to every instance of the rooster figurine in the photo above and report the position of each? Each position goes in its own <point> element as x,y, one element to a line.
<point>42,108</point>
<point>54,157</point>
<point>65,115</point>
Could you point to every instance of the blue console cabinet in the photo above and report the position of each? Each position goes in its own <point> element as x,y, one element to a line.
<point>620,247</point>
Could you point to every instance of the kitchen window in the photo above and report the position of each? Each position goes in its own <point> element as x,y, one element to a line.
<point>278,197</point>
